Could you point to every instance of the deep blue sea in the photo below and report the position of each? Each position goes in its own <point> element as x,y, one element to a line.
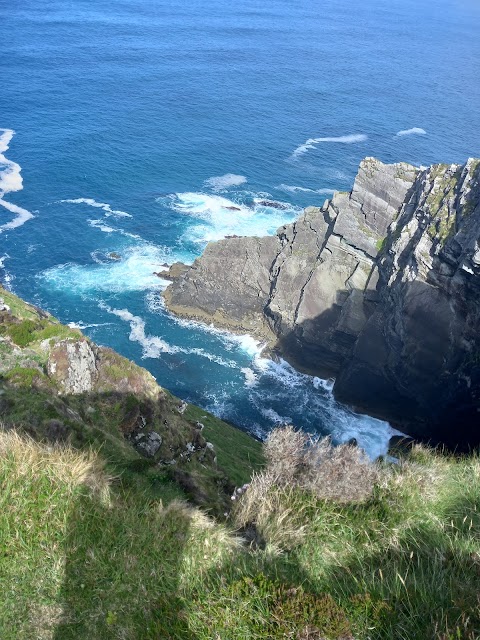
<point>134,124</point>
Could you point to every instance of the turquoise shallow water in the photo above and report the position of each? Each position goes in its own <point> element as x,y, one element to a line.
<point>137,123</point>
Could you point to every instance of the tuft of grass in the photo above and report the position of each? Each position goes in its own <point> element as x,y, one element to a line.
<point>28,331</point>
<point>342,473</point>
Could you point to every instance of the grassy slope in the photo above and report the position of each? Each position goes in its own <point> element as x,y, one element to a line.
<point>82,558</point>
<point>29,400</point>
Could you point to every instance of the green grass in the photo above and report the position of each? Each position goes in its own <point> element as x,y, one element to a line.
<point>82,556</point>
<point>29,331</point>
<point>236,451</point>
<point>380,244</point>
<point>18,307</point>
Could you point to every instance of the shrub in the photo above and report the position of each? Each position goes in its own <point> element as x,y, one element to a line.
<point>274,504</point>
<point>22,334</point>
<point>343,473</point>
<point>284,451</point>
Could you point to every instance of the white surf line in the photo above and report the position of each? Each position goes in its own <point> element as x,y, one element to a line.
<point>11,180</point>
<point>99,205</point>
<point>245,342</point>
<point>153,346</point>
<point>311,143</point>
<point>415,131</point>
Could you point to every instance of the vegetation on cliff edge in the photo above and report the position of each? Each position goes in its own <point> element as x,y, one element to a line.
<point>99,541</point>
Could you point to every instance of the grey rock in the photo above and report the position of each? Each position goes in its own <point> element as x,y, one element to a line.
<point>379,287</point>
<point>73,365</point>
<point>148,444</point>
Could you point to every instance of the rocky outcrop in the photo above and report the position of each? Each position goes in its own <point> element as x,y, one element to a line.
<point>58,385</point>
<point>379,287</point>
<point>73,365</point>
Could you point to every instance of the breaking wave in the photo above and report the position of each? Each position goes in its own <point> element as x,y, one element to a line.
<point>219,217</point>
<point>10,181</point>
<point>415,131</point>
<point>311,143</point>
<point>134,271</point>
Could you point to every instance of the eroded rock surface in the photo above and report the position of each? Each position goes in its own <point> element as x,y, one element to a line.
<point>379,287</point>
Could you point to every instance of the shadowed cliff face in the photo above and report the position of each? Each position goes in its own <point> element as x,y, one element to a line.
<point>379,287</point>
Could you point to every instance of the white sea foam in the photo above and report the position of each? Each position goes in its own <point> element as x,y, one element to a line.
<point>99,205</point>
<point>10,180</point>
<point>152,346</point>
<point>210,356</point>
<point>294,189</point>
<point>311,143</point>
<point>274,417</point>
<point>7,277</point>
<point>134,272</point>
<point>251,378</point>
<point>371,434</point>
<point>415,131</point>
<point>217,183</point>
<point>84,325</point>
<point>106,228</point>
<point>220,217</point>
<point>99,224</point>
<point>326,385</point>
<point>231,341</point>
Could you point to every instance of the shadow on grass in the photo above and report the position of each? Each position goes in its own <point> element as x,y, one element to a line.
<point>425,584</point>
<point>120,582</point>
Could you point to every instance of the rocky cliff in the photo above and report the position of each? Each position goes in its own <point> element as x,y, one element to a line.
<point>379,287</point>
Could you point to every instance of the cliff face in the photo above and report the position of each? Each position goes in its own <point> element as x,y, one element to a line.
<point>379,287</point>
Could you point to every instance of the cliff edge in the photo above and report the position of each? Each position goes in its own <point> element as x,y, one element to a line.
<point>379,287</point>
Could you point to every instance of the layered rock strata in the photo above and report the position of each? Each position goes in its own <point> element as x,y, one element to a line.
<point>379,287</point>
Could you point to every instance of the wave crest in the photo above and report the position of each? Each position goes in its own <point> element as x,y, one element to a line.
<point>414,131</point>
<point>311,143</point>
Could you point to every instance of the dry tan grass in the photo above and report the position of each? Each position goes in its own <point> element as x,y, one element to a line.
<point>273,510</point>
<point>59,462</point>
<point>343,473</point>
<point>271,503</point>
<point>284,451</point>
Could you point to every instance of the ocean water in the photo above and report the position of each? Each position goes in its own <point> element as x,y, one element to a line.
<point>131,127</point>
